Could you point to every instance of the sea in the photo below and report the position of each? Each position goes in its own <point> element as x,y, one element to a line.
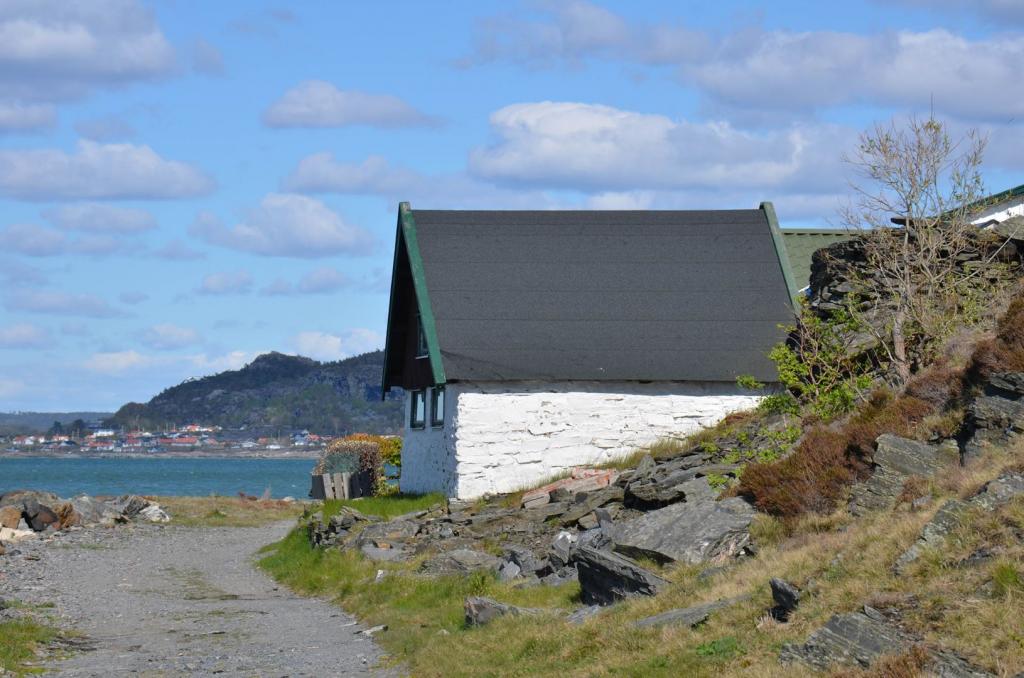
<point>175,476</point>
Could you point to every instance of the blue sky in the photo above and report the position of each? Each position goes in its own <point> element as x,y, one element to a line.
<point>185,185</point>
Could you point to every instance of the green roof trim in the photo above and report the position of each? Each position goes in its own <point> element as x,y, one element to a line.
<point>801,246</point>
<point>408,227</point>
<point>780,247</point>
<point>997,198</point>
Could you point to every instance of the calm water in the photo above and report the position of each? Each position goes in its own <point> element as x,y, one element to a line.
<point>166,476</point>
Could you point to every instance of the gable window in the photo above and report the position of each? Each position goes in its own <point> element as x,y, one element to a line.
<point>418,409</point>
<point>437,407</point>
<point>422,351</point>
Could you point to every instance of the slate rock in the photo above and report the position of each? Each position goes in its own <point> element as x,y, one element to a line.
<point>589,502</point>
<point>859,638</point>
<point>129,505</point>
<point>384,555</point>
<point>583,614</point>
<point>39,517</point>
<point>687,532</point>
<point>508,571</point>
<point>460,561</point>
<point>786,598</point>
<point>997,492</point>
<point>562,548</point>
<point>10,516</point>
<point>561,576</point>
<point>1009,385</point>
<point>607,577</point>
<point>480,610</point>
<point>18,497</point>
<point>525,559</point>
<point>689,616</point>
<point>933,533</point>
<point>895,460</point>
<point>91,509</point>
<point>154,514</point>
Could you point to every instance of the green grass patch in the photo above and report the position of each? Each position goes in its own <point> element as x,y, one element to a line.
<point>216,511</point>
<point>387,507</point>
<point>20,640</point>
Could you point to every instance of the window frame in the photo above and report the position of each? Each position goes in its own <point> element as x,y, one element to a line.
<point>422,348</point>
<point>437,391</point>
<point>415,395</point>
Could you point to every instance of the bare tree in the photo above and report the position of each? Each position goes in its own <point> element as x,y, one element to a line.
<point>931,184</point>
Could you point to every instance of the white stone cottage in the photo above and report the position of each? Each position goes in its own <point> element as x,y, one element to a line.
<point>529,342</point>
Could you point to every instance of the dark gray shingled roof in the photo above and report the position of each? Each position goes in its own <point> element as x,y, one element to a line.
<point>603,295</point>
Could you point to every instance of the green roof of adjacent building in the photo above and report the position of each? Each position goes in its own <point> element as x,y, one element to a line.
<point>800,245</point>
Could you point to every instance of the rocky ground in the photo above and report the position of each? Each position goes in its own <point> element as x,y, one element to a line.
<point>155,599</point>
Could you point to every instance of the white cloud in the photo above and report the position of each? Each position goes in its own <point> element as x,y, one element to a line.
<point>597,148</point>
<point>20,117</point>
<point>802,71</point>
<point>574,30</point>
<point>315,103</point>
<point>55,49</point>
<point>133,297</point>
<point>116,362</point>
<point>166,337</point>
<point>24,335</point>
<point>97,171</point>
<point>33,240</point>
<point>233,360</point>
<point>176,250</point>
<point>322,173</point>
<point>100,218</point>
<point>325,347</point>
<point>227,282</point>
<point>286,225</point>
<point>206,58</point>
<point>1012,10</point>
<point>323,280</point>
<point>40,241</point>
<point>105,128</point>
<point>59,303</point>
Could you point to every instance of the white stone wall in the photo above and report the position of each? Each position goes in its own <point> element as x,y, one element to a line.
<point>510,435</point>
<point>1001,212</point>
<point>428,454</point>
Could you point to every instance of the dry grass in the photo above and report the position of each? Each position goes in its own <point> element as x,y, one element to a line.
<point>215,511</point>
<point>841,563</point>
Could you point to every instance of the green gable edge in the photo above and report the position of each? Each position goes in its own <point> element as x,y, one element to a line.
<point>412,248</point>
<point>780,247</point>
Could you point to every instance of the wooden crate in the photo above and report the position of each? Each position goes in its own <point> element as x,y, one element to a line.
<point>340,485</point>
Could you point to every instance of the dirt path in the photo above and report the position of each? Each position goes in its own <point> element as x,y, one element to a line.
<point>155,600</point>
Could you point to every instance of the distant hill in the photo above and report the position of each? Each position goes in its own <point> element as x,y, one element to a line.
<point>278,391</point>
<point>15,423</point>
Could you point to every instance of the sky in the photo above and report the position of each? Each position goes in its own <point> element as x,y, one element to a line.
<point>185,185</point>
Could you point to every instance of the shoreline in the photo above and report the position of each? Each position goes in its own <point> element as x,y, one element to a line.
<point>192,454</point>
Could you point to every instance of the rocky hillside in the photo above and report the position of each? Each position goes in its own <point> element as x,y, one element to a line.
<point>277,390</point>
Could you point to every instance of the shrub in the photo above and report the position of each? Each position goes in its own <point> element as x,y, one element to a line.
<point>362,452</point>
<point>828,459</point>
<point>1005,352</point>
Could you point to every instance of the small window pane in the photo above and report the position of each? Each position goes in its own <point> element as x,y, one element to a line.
<point>422,351</point>
<point>437,407</point>
<point>418,413</point>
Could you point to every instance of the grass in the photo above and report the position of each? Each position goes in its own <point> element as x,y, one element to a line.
<point>386,507</point>
<point>20,642</point>
<point>840,562</point>
<point>217,511</point>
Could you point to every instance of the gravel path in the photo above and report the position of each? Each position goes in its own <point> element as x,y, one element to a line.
<point>161,600</point>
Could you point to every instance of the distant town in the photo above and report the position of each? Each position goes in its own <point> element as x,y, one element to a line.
<point>92,439</point>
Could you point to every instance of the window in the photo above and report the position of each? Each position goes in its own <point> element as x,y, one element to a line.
<point>422,351</point>
<point>437,407</point>
<point>418,410</point>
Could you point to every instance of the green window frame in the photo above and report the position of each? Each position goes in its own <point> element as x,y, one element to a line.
<point>437,407</point>
<point>418,409</point>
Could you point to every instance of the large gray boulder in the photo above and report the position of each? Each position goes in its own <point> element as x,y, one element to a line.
<point>991,496</point>
<point>895,460</point>
<point>609,577</point>
<point>480,611</point>
<point>460,561</point>
<point>860,638</point>
<point>688,532</point>
<point>689,616</point>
